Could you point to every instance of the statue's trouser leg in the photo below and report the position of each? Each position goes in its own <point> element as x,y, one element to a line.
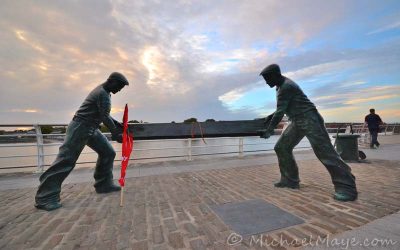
<point>290,137</point>
<point>374,137</point>
<point>342,178</point>
<point>50,181</point>
<point>103,173</point>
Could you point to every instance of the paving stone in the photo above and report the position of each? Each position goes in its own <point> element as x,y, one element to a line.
<point>173,211</point>
<point>170,225</point>
<point>175,240</point>
<point>197,244</point>
<point>54,241</point>
<point>157,235</point>
<point>192,230</point>
<point>140,245</point>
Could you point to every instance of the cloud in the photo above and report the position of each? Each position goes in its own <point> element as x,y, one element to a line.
<point>25,110</point>
<point>231,96</point>
<point>321,69</point>
<point>203,61</point>
<point>115,110</point>
<point>391,26</point>
<point>358,95</point>
<point>369,99</point>
<point>390,115</point>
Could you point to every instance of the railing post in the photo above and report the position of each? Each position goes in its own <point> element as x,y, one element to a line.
<point>40,150</point>
<point>240,147</point>
<point>386,128</point>
<point>189,149</point>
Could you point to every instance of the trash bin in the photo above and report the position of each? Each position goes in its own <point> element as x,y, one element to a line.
<point>347,146</point>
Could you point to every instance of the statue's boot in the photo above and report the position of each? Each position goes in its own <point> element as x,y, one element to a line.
<point>340,196</point>
<point>107,188</point>
<point>287,184</point>
<point>48,206</point>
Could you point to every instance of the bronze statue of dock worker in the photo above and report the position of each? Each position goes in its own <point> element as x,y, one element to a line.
<point>84,130</point>
<point>305,120</point>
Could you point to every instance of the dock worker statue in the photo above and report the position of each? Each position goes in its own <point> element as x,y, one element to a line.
<point>84,130</point>
<point>305,120</point>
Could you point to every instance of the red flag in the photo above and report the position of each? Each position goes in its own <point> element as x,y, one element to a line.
<point>127,146</point>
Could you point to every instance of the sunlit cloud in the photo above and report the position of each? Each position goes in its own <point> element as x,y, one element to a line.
<point>320,69</point>
<point>231,96</point>
<point>25,110</point>
<point>20,35</point>
<point>343,114</point>
<point>369,99</point>
<point>202,63</point>
<point>42,66</point>
<point>325,98</point>
<point>23,37</point>
<point>390,113</point>
<point>149,59</point>
<point>115,110</point>
<point>352,83</point>
<point>162,73</point>
<point>122,54</point>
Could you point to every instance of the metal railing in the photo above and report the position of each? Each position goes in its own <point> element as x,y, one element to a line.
<point>40,144</point>
<point>38,141</point>
<point>365,138</point>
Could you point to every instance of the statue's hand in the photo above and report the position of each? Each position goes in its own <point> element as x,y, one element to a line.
<point>119,126</point>
<point>117,137</point>
<point>264,133</point>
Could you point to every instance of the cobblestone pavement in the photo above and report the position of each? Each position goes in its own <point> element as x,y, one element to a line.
<point>172,211</point>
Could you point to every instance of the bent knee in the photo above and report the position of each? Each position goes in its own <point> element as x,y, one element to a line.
<point>108,154</point>
<point>280,148</point>
<point>112,154</point>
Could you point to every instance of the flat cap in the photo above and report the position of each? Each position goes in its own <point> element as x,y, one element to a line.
<point>116,76</point>
<point>273,68</point>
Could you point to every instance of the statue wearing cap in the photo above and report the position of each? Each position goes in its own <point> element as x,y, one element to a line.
<point>84,130</point>
<point>305,120</point>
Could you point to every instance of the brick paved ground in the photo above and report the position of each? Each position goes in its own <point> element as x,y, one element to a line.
<point>172,211</point>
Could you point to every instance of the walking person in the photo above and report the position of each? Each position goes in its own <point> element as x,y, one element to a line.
<point>305,120</point>
<point>84,130</point>
<point>373,121</point>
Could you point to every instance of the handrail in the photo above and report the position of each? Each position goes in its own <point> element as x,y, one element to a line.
<point>188,145</point>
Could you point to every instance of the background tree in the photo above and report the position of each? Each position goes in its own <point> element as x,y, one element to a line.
<point>46,129</point>
<point>63,130</point>
<point>210,120</point>
<point>190,120</point>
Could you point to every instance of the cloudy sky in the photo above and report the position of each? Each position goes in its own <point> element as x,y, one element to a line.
<point>198,58</point>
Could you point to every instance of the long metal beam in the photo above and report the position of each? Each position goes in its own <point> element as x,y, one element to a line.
<point>148,131</point>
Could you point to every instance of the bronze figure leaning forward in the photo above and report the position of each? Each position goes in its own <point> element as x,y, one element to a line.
<point>84,130</point>
<point>305,120</point>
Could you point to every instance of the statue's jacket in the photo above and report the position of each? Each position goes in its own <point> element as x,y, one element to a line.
<point>96,108</point>
<point>291,101</point>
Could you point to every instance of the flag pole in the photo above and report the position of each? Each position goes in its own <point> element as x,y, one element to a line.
<point>127,146</point>
<point>121,203</point>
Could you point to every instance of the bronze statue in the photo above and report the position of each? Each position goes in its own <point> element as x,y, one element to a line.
<point>305,120</point>
<point>84,130</point>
